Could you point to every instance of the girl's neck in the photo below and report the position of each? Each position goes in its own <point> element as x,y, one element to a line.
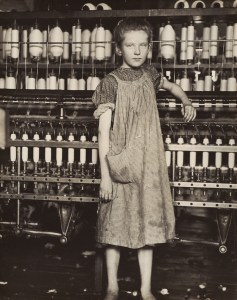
<point>131,68</point>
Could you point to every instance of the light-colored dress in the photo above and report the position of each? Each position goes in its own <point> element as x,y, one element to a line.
<point>141,212</point>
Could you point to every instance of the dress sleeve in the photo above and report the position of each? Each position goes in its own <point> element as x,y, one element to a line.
<point>156,77</point>
<point>104,96</point>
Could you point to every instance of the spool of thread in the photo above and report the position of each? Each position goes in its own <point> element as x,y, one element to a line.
<point>162,26</point>
<point>183,44</point>
<point>218,160</point>
<point>93,42</point>
<point>15,43</point>
<point>205,154</point>
<point>100,44</point>
<point>56,42</point>
<point>214,42</point>
<point>26,81</point>
<point>208,83</point>
<point>198,4</point>
<point>217,4</point>
<point>73,39</point>
<point>103,6</point>
<point>78,41</point>
<point>185,82</point>
<point>10,82</point>
<point>13,148</point>
<point>81,84</point>
<point>85,37</point>
<point>180,154</point>
<point>231,155</point>
<point>235,42</point>
<point>41,84</point>
<point>35,44</point>
<point>71,151</point>
<point>149,54</point>
<point>36,151</point>
<point>168,37</point>
<point>52,82</point>
<point>73,83</point>
<point>4,30</point>
<point>229,42</point>
<point>231,84</point>
<point>94,82</point>
<point>88,83</point>
<point>167,152</point>
<point>59,152</point>
<point>61,84</point>
<point>83,150</point>
<point>178,79</point>
<point>193,154</point>
<point>206,44</point>
<point>45,45</point>
<point>200,85</point>
<point>108,44</point>
<point>2,83</point>
<point>223,83</point>
<point>48,150</point>
<point>181,4</point>
<point>25,150</point>
<point>190,43</point>
<point>24,44</point>
<point>88,6</point>
<point>66,37</point>
<point>31,82</point>
<point>218,156</point>
<point>94,154</point>
<point>8,41</point>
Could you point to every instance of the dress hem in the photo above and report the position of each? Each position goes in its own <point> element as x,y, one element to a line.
<point>101,244</point>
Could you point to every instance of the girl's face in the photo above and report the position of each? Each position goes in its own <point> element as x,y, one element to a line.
<point>134,48</point>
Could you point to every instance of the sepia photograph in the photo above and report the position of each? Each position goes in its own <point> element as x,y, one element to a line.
<point>118,149</point>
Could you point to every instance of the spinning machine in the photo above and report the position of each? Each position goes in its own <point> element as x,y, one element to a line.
<point>50,160</point>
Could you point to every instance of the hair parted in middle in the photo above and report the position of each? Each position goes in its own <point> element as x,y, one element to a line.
<point>131,24</point>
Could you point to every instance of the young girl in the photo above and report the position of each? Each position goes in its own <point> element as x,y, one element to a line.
<point>135,209</point>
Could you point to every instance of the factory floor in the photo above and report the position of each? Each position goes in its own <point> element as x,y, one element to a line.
<point>42,268</point>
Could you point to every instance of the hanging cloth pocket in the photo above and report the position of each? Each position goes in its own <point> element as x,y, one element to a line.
<point>120,167</point>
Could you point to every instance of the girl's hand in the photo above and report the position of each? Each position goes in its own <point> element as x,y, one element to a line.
<point>189,112</point>
<point>106,190</point>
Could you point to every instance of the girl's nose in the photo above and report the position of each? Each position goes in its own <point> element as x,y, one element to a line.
<point>137,50</point>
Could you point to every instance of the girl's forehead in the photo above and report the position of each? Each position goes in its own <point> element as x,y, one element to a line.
<point>135,35</point>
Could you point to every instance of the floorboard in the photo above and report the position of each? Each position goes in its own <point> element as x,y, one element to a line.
<point>42,268</point>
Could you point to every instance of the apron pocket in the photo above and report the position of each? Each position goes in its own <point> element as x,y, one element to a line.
<point>120,167</point>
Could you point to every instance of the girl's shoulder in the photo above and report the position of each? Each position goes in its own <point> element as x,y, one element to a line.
<point>105,91</point>
<point>155,76</point>
<point>151,70</point>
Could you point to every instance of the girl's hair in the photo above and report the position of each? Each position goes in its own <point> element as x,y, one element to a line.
<point>129,24</point>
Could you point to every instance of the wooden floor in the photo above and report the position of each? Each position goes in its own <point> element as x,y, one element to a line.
<point>41,268</point>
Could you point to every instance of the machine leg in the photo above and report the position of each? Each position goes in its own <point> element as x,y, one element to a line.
<point>224,218</point>
<point>65,213</point>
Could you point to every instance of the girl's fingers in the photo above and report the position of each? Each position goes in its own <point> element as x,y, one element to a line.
<point>189,113</point>
<point>105,196</point>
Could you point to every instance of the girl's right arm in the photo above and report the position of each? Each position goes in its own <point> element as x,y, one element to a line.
<point>106,188</point>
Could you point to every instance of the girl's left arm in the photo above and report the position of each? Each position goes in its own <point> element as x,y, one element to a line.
<point>188,111</point>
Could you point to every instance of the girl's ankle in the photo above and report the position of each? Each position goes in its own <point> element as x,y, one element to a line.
<point>112,290</point>
<point>146,294</point>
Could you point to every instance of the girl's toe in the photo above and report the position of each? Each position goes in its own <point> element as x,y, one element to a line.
<point>111,296</point>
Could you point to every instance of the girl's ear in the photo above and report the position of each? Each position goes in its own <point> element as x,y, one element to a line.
<point>118,51</point>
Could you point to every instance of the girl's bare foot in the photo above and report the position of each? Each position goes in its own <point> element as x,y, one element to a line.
<point>147,296</point>
<point>111,295</point>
